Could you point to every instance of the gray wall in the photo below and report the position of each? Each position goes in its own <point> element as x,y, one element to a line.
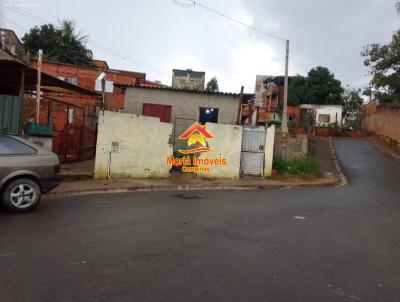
<point>184,104</point>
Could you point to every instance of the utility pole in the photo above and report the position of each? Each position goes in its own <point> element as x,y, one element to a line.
<point>285,90</point>
<point>39,77</point>
<point>284,127</point>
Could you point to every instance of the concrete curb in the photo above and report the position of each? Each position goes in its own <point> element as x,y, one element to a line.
<point>342,179</point>
<point>191,187</point>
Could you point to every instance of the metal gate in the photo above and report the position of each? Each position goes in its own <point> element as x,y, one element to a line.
<point>10,114</point>
<point>252,157</point>
<point>74,129</point>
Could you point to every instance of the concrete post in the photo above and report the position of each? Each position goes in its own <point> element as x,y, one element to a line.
<point>269,150</point>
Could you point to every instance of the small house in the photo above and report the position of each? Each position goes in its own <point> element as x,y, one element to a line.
<point>324,114</point>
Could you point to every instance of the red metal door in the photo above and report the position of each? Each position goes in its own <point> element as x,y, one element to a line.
<point>161,111</point>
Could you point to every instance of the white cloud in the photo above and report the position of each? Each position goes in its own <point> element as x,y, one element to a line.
<point>249,59</point>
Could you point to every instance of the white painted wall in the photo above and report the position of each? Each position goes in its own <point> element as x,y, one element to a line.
<point>227,142</point>
<point>143,146</point>
<point>269,150</point>
<point>334,112</point>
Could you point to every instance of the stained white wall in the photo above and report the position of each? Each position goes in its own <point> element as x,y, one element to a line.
<point>143,146</point>
<point>227,142</point>
<point>269,150</point>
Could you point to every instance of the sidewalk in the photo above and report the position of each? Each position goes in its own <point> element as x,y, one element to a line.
<point>77,169</point>
<point>322,151</point>
<point>178,184</point>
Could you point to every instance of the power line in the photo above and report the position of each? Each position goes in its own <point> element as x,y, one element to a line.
<point>12,22</point>
<point>236,21</point>
<point>95,44</point>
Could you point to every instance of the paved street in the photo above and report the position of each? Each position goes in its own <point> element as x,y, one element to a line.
<point>326,244</point>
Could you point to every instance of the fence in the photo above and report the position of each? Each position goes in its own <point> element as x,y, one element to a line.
<point>382,120</point>
<point>74,129</point>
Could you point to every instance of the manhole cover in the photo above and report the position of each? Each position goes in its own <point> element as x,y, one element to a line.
<point>189,196</point>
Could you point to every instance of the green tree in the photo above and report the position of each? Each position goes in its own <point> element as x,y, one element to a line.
<point>61,44</point>
<point>384,65</point>
<point>352,102</point>
<point>318,87</point>
<point>297,90</point>
<point>212,85</point>
<point>321,87</point>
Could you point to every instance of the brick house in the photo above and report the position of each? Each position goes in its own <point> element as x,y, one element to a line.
<point>85,77</point>
<point>268,101</point>
<point>74,118</point>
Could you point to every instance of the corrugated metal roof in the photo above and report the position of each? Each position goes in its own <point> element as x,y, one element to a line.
<point>10,79</point>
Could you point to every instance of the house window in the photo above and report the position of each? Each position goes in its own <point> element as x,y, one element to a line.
<point>324,118</point>
<point>73,81</point>
<point>109,86</point>
<point>208,115</point>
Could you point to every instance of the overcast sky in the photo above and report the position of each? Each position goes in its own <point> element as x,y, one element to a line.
<point>159,35</point>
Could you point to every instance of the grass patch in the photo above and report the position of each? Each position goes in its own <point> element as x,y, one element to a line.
<point>304,167</point>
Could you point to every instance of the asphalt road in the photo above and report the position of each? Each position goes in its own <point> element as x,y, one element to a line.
<point>326,244</point>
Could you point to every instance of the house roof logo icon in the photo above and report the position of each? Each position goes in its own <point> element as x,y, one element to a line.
<point>197,136</point>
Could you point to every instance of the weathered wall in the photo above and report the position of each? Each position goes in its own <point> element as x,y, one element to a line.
<point>384,121</point>
<point>185,83</point>
<point>227,143</point>
<point>269,150</point>
<point>143,146</point>
<point>296,148</point>
<point>184,104</point>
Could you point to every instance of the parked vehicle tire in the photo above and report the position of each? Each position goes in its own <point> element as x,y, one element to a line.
<point>21,195</point>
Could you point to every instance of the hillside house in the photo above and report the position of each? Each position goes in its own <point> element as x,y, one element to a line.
<point>188,79</point>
